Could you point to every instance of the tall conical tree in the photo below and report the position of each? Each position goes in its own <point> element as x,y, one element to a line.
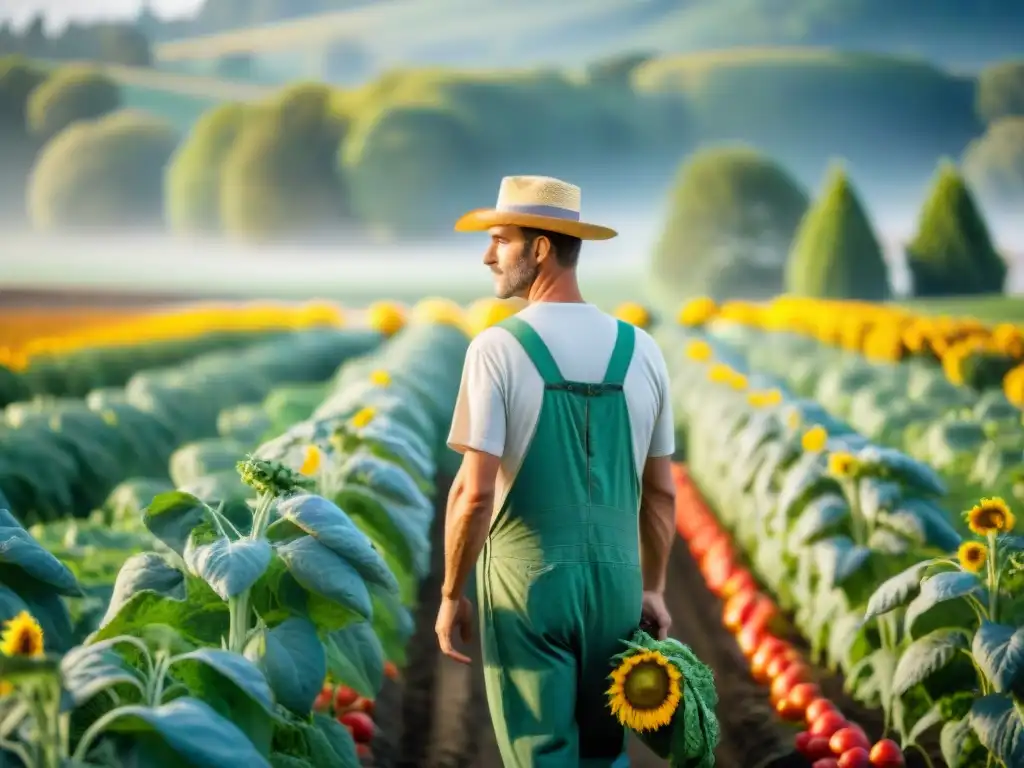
<point>953,253</point>
<point>835,253</point>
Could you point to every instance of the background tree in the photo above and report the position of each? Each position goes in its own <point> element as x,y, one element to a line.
<point>412,170</point>
<point>17,149</point>
<point>69,94</point>
<point>994,166</point>
<point>952,253</point>
<point>836,254</point>
<point>279,178</point>
<point>193,182</point>
<point>124,44</point>
<point>1000,91</point>
<point>732,214</point>
<point>106,173</point>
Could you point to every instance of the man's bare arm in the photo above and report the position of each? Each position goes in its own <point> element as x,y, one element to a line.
<point>657,521</point>
<point>468,521</point>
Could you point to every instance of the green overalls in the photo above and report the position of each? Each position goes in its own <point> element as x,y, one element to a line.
<point>559,583</point>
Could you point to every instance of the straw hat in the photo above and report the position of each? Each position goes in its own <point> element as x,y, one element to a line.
<point>536,202</point>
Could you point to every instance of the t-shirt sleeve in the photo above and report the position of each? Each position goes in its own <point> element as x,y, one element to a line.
<point>663,438</point>
<point>479,419</point>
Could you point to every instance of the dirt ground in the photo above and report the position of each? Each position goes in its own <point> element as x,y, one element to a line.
<point>438,714</point>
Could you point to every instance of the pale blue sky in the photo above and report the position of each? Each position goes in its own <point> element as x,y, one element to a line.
<point>58,12</point>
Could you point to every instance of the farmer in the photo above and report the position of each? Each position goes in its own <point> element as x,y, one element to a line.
<point>565,489</point>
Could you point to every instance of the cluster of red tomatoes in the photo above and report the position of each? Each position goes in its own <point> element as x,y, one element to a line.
<point>830,741</point>
<point>353,711</point>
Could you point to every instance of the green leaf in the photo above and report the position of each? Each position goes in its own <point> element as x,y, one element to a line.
<point>940,588</point>
<point>200,616</point>
<point>925,723</point>
<point>15,669</point>
<point>22,557</point>
<point>293,661</point>
<point>939,534</point>
<point>88,669</point>
<point>877,496</point>
<point>999,652</point>
<point>897,591</point>
<point>172,516</point>
<point>192,730</point>
<point>229,567</point>
<point>325,573</point>
<point>838,558</point>
<point>926,656</point>
<point>235,669</point>
<point>326,523</point>
<point>822,515</point>
<point>339,739</point>
<point>146,571</point>
<point>999,727</point>
<point>355,657</point>
<point>954,741</point>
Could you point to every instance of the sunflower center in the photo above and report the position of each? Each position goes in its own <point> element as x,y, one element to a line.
<point>647,685</point>
<point>24,644</point>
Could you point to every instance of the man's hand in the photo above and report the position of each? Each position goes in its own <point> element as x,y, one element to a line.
<point>654,612</point>
<point>455,615</point>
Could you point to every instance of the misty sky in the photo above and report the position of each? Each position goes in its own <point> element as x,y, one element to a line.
<point>58,12</point>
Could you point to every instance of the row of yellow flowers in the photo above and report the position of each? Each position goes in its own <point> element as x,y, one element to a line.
<point>881,332</point>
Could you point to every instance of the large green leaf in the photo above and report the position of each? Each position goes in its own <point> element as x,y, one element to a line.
<point>897,591</point>
<point>89,669</point>
<point>146,571</point>
<point>926,656</point>
<point>293,661</point>
<point>355,657</point>
<point>954,740</point>
<point>199,615</point>
<point>22,557</point>
<point>339,739</point>
<point>997,720</point>
<point>229,567</point>
<point>324,521</point>
<point>824,515</point>
<point>940,588</point>
<point>999,653</point>
<point>192,732</point>
<point>172,516</point>
<point>323,572</point>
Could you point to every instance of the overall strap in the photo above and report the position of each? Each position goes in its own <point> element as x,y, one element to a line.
<point>535,349</point>
<point>622,354</point>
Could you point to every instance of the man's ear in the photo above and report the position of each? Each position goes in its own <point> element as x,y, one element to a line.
<point>541,249</point>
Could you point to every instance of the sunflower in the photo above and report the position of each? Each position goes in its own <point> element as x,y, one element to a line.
<point>972,556</point>
<point>22,636</point>
<point>814,439</point>
<point>697,311</point>
<point>991,516</point>
<point>842,464</point>
<point>380,378</point>
<point>793,419</point>
<point>645,692</point>
<point>738,382</point>
<point>772,397</point>
<point>699,351</point>
<point>6,689</point>
<point>311,460</point>
<point>364,417</point>
<point>720,373</point>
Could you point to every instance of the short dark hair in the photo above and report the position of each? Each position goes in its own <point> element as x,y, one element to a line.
<point>566,247</point>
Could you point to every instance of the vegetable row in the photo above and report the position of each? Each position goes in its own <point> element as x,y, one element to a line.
<point>853,540</point>
<point>216,643</point>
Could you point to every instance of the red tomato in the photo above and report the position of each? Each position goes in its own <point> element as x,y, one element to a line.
<point>359,725</point>
<point>366,705</point>
<point>323,699</point>
<point>826,762</point>
<point>748,639</point>
<point>740,581</point>
<point>854,758</point>
<point>767,649</point>
<point>764,615</point>
<point>801,741</point>
<point>827,724</point>
<point>802,695</point>
<point>390,671</point>
<point>795,673</point>
<point>344,698</point>
<point>788,712</point>
<point>848,738</point>
<point>818,707</point>
<point>737,608</point>
<point>781,662</point>
<point>363,751</point>
<point>817,748</point>
<point>887,754</point>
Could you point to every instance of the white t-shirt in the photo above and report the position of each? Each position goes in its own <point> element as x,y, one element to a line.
<point>501,392</point>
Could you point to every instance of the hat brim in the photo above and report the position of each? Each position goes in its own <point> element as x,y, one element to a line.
<point>483,219</point>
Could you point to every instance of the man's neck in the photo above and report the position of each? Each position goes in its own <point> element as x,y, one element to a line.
<point>557,289</point>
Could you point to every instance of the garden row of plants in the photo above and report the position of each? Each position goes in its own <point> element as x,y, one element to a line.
<point>264,580</point>
<point>853,540</point>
